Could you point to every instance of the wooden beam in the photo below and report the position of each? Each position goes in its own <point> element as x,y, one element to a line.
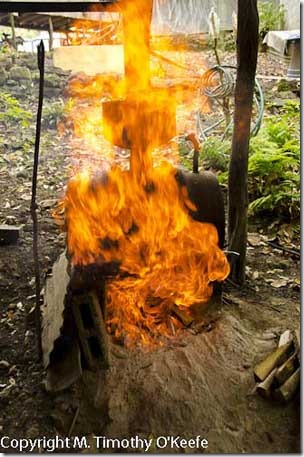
<point>49,6</point>
<point>51,30</point>
<point>247,51</point>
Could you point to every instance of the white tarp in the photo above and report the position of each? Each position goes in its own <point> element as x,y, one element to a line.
<point>190,16</point>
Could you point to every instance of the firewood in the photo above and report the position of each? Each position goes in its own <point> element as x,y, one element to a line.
<point>297,343</point>
<point>263,388</point>
<point>285,371</point>
<point>276,358</point>
<point>285,338</point>
<point>9,234</point>
<point>289,388</point>
<point>184,316</point>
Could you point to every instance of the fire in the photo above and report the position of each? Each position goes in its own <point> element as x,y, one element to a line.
<point>138,218</point>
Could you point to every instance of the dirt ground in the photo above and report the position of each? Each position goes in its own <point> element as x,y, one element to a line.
<point>200,386</point>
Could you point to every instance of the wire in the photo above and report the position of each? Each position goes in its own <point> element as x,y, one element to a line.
<point>218,83</point>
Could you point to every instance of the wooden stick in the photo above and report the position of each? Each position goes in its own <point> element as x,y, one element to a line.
<point>285,338</point>
<point>40,56</point>
<point>282,248</point>
<point>276,358</point>
<point>298,343</point>
<point>263,388</point>
<point>285,371</point>
<point>289,388</point>
<point>74,421</point>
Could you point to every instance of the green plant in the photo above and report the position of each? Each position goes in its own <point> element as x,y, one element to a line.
<point>215,154</point>
<point>52,113</point>
<point>274,165</point>
<point>12,111</point>
<point>272,17</point>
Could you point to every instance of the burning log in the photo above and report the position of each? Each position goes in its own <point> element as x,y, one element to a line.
<point>91,329</point>
<point>183,315</point>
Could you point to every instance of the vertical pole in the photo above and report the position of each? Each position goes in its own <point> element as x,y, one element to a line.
<point>51,34</point>
<point>247,51</point>
<point>12,22</point>
<point>40,56</point>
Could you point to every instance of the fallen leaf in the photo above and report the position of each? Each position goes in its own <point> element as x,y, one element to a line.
<point>279,283</point>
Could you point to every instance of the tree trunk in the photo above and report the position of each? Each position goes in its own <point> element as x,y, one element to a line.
<point>247,49</point>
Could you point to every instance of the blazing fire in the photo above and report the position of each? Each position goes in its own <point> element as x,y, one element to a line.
<point>139,218</point>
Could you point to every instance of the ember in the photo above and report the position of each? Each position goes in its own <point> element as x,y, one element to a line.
<point>139,218</point>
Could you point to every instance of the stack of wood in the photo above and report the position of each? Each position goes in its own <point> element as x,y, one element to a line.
<point>278,376</point>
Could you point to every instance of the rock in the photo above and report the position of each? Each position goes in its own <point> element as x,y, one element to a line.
<point>287,85</point>
<point>52,80</point>
<point>28,60</point>
<point>35,75</point>
<point>20,73</point>
<point>25,82</point>
<point>32,63</point>
<point>3,76</point>
<point>11,82</point>
<point>51,92</point>
<point>5,62</point>
<point>12,306</point>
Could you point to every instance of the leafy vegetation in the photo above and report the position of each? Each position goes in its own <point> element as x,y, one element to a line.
<point>216,153</point>
<point>12,111</point>
<point>274,164</point>
<point>272,17</point>
<point>52,113</point>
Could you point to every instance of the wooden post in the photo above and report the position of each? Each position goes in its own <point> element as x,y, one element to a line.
<point>51,34</point>
<point>247,50</point>
<point>12,22</point>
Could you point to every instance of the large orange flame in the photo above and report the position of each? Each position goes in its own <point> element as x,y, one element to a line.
<point>139,217</point>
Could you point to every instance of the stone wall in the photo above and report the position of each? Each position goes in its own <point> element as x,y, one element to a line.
<point>20,74</point>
